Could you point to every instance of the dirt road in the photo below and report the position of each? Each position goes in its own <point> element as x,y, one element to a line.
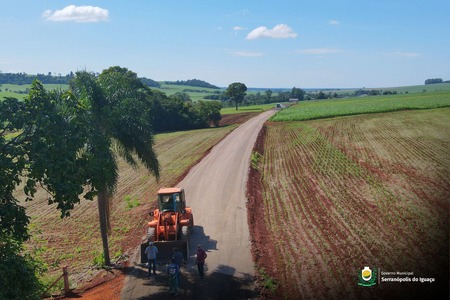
<point>215,189</point>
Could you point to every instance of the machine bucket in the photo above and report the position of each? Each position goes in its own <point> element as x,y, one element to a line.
<point>165,250</point>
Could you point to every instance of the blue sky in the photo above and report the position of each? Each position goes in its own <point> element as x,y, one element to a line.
<point>266,44</point>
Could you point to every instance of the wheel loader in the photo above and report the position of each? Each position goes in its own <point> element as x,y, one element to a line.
<point>170,225</point>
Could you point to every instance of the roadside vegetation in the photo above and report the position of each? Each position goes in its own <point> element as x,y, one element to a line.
<point>245,109</point>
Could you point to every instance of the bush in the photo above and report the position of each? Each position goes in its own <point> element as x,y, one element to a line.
<point>18,274</point>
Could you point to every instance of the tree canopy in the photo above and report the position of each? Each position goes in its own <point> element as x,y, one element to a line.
<point>118,117</point>
<point>45,152</point>
<point>236,92</point>
<point>434,80</point>
<point>49,78</point>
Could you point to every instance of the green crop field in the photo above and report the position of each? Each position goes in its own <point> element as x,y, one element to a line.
<point>399,89</point>
<point>308,110</point>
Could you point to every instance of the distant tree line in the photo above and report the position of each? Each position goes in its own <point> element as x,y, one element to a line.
<point>51,78</point>
<point>198,91</point>
<point>374,92</point>
<point>25,79</point>
<point>193,82</point>
<point>359,93</point>
<point>265,97</point>
<point>436,80</point>
<point>270,96</point>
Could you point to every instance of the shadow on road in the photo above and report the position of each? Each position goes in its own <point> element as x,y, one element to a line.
<point>199,237</point>
<point>221,283</point>
<point>215,285</point>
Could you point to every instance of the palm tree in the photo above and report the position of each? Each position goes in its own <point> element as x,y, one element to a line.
<point>119,123</point>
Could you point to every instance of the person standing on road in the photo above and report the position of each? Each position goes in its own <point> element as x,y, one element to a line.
<point>178,259</point>
<point>173,270</point>
<point>178,256</point>
<point>200,259</point>
<point>151,252</point>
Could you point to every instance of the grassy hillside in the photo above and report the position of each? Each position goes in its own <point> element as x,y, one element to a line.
<point>194,92</point>
<point>20,91</point>
<point>399,90</point>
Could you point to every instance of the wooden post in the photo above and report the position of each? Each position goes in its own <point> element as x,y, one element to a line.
<point>65,275</point>
<point>66,279</point>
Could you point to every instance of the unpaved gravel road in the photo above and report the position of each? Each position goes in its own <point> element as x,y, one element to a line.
<point>215,189</point>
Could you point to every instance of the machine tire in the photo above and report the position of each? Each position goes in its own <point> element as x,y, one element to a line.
<point>150,234</point>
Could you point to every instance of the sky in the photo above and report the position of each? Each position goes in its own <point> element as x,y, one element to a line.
<point>261,43</point>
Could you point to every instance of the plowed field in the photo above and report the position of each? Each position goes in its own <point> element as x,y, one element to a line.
<point>350,192</point>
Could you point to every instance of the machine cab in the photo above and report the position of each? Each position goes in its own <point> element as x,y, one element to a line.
<point>171,199</point>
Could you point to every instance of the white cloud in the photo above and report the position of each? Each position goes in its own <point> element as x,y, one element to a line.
<point>319,51</point>
<point>280,31</point>
<point>74,13</point>
<point>247,54</point>
<point>238,28</point>
<point>242,12</point>
<point>334,22</point>
<point>404,54</point>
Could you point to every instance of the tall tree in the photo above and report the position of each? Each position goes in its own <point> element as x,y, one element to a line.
<point>268,95</point>
<point>236,92</point>
<point>209,111</point>
<point>44,151</point>
<point>119,122</point>
<point>297,93</point>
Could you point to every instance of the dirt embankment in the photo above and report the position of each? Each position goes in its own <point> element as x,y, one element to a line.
<point>260,235</point>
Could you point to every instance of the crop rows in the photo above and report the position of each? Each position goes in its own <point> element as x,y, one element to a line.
<point>366,190</point>
<point>309,110</point>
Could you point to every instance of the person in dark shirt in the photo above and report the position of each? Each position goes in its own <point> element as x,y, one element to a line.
<point>200,259</point>
<point>178,259</point>
<point>172,271</point>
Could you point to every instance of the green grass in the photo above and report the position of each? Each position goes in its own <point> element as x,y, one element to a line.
<point>244,109</point>
<point>400,89</point>
<point>18,91</point>
<point>420,88</point>
<point>194,92</point>
<point>309,110</point>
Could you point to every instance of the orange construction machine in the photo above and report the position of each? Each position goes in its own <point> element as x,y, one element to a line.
<point>170,225</point>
